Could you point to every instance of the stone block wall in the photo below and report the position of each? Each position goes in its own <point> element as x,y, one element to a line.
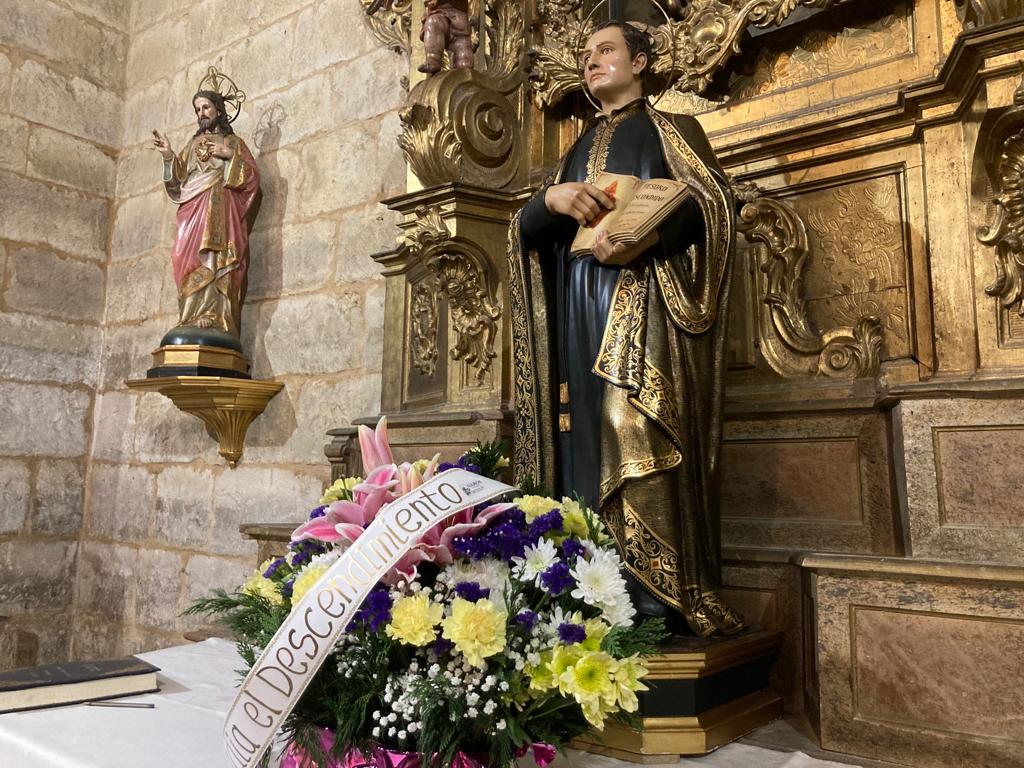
<point>116,509</point>
<point>161,524</point>
<point>61,105</point>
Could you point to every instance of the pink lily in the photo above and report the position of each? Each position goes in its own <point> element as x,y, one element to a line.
<point>346,519</point>
<point>373,444</point>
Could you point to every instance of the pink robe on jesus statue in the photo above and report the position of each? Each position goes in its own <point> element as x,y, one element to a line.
<point>217,201</point>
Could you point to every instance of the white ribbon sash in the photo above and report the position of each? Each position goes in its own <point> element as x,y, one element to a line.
<point>278,678</point>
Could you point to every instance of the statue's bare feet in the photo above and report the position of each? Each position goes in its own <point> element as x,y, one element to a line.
<point>204,322</point>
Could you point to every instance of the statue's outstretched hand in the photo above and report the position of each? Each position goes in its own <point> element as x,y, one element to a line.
<point>162,145</point>
<point>616,254</point>
<point>578,199</point>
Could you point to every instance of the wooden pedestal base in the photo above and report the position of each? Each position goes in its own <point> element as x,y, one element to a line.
<point>703,694</point>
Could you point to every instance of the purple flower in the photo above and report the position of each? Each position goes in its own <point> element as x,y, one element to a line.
<point>570,633</point>
<point>442,646</point>
<point>471,591</point>
<point>286,588</point>
<point>514,516</point>
<point>571,549</point>
<point>556,578</point>
<point>464,464</point>
<point>527,618</point>
<point>375,610</point>
<point>318,512</point>
<point>549,521</point>
<point>273,568</point>
<point>444,466</point>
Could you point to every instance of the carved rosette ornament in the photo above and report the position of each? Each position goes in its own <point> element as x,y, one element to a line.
<point>463,278</point>
<point>1004,162</point>
<point>789,343</point>
<point>688,51</point>
<point>462,124</point>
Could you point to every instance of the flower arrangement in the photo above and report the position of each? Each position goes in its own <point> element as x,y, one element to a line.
<point>504,630</point>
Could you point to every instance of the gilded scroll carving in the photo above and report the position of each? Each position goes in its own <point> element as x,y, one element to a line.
<point>467,283</point>
<point>1004,163</point>
<point>423,314</point>
<point>689,51</point>
<point>789,342</point>
<point>821,53</point>
<point>462,124</point>
<point>390,21</point>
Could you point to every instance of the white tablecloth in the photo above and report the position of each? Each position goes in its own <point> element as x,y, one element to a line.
<point>183,730</point>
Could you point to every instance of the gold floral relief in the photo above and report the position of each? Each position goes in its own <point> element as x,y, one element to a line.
<point>856,233</point>
<point>824,53</point>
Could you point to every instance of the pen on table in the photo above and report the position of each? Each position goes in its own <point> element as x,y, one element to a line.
<point>128,704</point>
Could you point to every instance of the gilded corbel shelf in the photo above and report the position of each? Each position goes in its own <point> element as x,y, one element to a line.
<point>226,405</point>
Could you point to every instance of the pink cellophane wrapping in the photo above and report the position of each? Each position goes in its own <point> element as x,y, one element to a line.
<point>378,758</point>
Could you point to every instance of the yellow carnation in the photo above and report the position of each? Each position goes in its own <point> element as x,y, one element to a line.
<point>413,619</point>
<point>340,489</point>
<point>258,585</point>
<point>304,581</point>
<point>535,506</point>
<point>477,629</point>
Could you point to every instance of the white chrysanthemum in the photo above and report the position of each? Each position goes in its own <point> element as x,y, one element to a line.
<point>535,560</point>
<point>600,584</point>
<point>557,617</point>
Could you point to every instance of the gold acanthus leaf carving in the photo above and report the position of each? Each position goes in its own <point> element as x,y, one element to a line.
<point>472,305</point>
<point>789,342</point>
<point>390,21</point>
<point>506,41</point>
<point>429,144</point>
<point>1004,153</point>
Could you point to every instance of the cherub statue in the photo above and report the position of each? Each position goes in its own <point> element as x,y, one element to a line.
<point>446,27</point>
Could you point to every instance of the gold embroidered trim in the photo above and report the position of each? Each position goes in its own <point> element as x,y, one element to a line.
<point>565,422</point>
<point>526,419</point>
<point>631,470</point>
<point>603,133</point>
<point>563,393</point>
<point>622,358</point>
<point>649,557</point>
<point>718,242</point>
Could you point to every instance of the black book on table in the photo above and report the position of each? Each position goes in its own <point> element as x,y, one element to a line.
<point>74,682</point>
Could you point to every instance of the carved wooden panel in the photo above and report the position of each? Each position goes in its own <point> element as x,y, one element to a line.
<point>832,48</point>
<point>856,231</point>
<point>426,368</point>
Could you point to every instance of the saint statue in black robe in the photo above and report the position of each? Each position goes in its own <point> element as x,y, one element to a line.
<point>619,369</point>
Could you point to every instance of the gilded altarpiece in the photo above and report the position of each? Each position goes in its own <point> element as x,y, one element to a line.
<point>877,347</point>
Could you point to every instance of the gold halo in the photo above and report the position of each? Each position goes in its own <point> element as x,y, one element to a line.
<point>579,43</point>
<point>234,96</point>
